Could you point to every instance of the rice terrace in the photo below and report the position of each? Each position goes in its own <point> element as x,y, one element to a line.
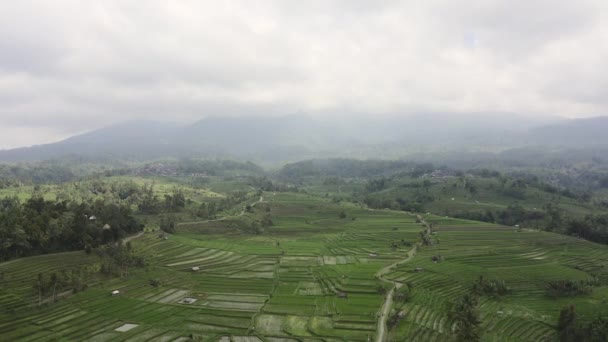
<point>304,171</point>
<point>322,270</point>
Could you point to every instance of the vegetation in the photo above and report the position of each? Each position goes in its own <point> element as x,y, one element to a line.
<point>571,329</point>
<point>307,255</point>
<point>465,315</point>
<point>492,288</point>
<point>567,288</point>
<point>38,226</point>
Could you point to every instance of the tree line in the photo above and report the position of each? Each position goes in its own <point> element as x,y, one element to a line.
<point>39,226</point>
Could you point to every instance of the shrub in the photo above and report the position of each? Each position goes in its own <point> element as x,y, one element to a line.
<point>491,288</point>
<point>567,288</point>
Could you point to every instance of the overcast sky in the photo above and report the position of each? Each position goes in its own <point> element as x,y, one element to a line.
<point>71,66</point>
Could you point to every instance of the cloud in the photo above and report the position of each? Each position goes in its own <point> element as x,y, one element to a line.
<point>68,66</point>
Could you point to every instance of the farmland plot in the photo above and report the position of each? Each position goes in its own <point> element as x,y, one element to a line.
<point>312,276</point>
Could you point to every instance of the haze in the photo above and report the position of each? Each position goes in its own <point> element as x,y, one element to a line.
<point>68,67</point>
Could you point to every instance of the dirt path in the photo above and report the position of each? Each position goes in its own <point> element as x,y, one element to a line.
<point>260,200</point>
<point>132,237</point>
<point>388,302</point>
<point>252,205</point>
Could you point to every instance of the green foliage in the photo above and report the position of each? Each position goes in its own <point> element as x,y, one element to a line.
<point>402,295</point>
<point>572,330</point>
<point>466,317</point>
<point>176,201</point>
<point>492,288</point>
<point>566,324</point>
<point>46,172</point>
<point>344,168</point>
<point>168,224</point>
<point>594,331</point>
<point>38,226</point>
<point>51,284</point>
<point>266,220</point>
<point>567,288</point>
<point>592,227</point>
<point>118,259</point>
<point>155,282</point>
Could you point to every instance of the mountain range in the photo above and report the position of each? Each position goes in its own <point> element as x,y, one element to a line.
<point>293,138</point>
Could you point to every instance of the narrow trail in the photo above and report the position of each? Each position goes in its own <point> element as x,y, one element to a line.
<point>260,200</point>
<point>388,302</point>
<point>132,237</point>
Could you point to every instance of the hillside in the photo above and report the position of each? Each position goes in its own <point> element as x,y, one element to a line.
<point>314,274</point>
<point>291,138</point>
<point>585,132</point>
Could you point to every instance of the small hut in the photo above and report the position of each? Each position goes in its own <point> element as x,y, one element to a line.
<point>196,269</point>
<point>115,293</point>
<point>188,300</point>
<point>342,295</point>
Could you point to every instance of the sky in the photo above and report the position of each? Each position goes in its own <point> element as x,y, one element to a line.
<point>72,66</point>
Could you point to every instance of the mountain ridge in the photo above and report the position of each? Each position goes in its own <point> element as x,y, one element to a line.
<point>291,137</point>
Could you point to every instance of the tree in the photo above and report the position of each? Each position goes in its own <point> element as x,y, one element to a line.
<point>342,214</point>
<point>465,315</point>
<point>202,211</point>
<point>149,202</point>
<point>426,184</point>
<point>167,224</point>
<point>40,287</point>
<point>402,294</point>
<point>566,324</point>
<point>266,220</point>
<point>555,217</point>
<point>54,282</point>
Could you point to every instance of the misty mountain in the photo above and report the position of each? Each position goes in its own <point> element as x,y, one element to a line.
<point>294,138</point>
<point>586,132</point>
<point>135,138</point>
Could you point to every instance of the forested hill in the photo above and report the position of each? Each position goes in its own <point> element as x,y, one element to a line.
<point>296,138</point>
<point>591,131</point>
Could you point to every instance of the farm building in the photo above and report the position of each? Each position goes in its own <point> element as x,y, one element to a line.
<point>342,295</point>
<point>115,292</point>
<point>106,227</point>
<point>419,269</point>
<point>196,269</point>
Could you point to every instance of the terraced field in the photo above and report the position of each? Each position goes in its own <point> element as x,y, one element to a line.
<point>309,277</point>
<point>524,260</point>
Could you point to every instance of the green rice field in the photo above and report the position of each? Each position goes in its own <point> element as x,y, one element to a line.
<point>311,276</point>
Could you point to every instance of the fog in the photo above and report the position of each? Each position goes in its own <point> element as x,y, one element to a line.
<point>68,67</point>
